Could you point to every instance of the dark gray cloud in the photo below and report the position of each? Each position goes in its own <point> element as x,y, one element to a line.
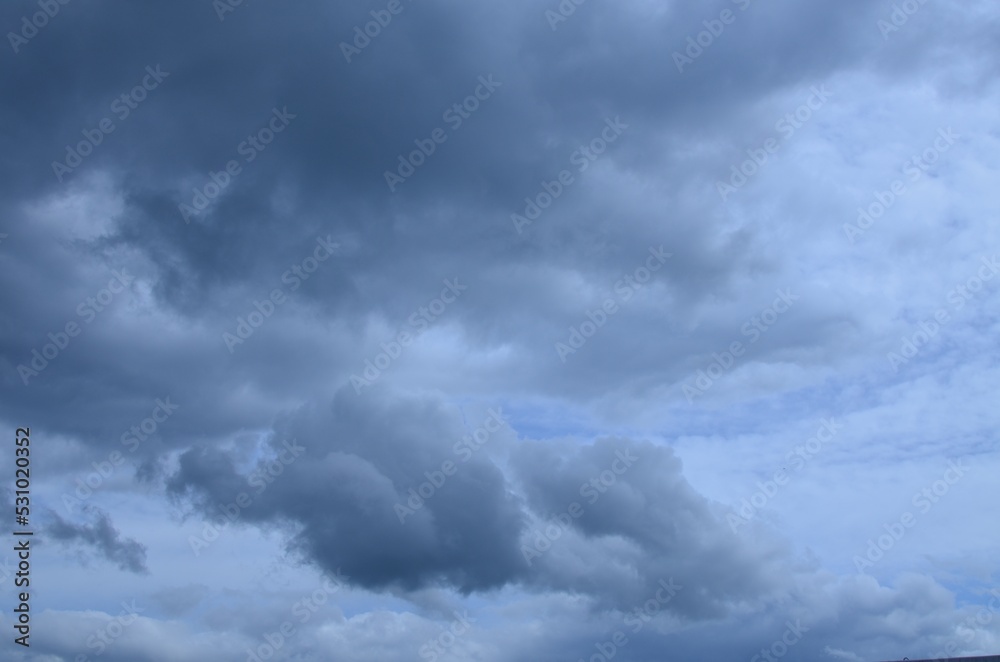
<point>641,522</point>
<point>629,517</point>
<point>323,175</point>
<point>361,458</point>
<point>102,536</point>
<point>209,85</point>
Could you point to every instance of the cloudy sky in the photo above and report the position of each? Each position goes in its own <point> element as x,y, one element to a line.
<point>522,331</point>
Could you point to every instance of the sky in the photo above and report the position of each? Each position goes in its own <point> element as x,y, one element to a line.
<point>526,331</point>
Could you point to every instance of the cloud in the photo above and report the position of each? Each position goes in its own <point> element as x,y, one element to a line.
<point>363,456</point>
<point>604,480</point>
<point>102,536</point>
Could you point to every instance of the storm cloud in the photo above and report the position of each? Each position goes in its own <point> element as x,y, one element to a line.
<point>449,330</point>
